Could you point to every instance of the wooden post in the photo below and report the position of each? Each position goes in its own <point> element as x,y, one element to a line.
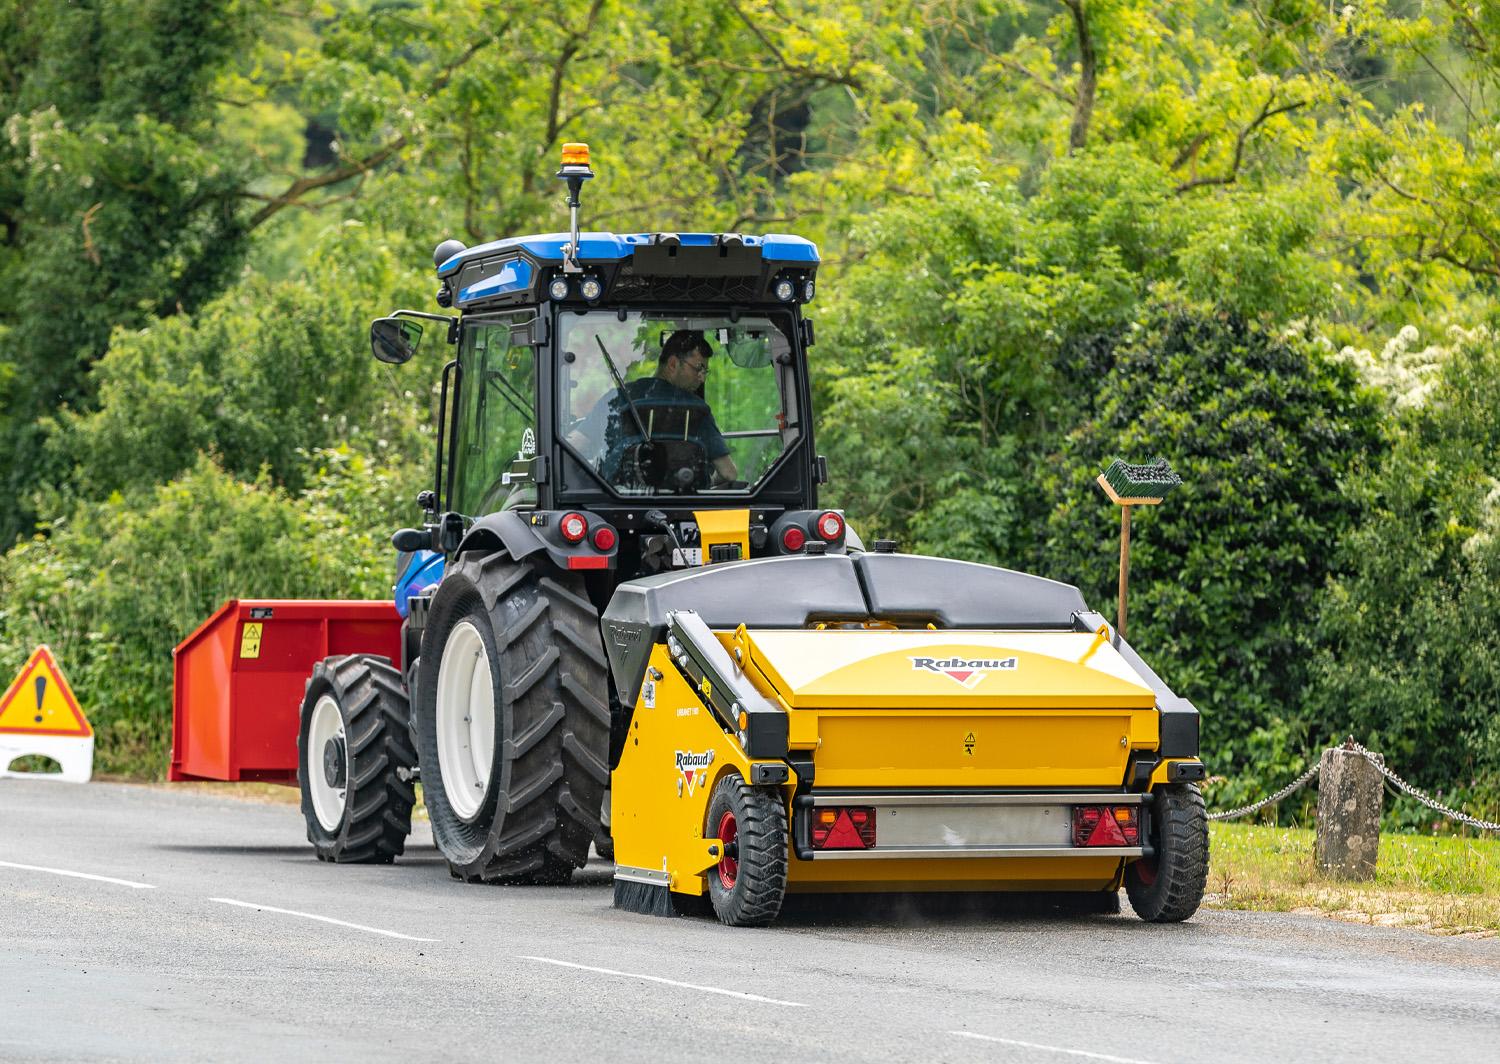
<point>1350,794</point>
<point>1125,503</point>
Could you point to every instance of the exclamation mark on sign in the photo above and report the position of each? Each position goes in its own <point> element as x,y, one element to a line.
<point>41,689</point>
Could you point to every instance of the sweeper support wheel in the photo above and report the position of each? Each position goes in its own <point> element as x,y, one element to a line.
<point>1167,887</point>
<point>749,883</point>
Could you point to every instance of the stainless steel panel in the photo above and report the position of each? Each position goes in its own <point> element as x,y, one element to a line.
<point>972,826</point>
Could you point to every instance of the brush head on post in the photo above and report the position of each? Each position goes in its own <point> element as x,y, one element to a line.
<point>1138,485</point>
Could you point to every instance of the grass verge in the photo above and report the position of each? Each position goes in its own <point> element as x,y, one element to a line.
<point>1448,885</point>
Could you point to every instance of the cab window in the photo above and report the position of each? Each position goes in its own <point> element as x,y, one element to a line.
<point>496,416</point>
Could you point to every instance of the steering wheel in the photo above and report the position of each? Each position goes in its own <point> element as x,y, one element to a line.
<point>668,465</point>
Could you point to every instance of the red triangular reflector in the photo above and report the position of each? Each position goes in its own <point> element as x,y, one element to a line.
<point>1107,832</point>
<point>844,836</point>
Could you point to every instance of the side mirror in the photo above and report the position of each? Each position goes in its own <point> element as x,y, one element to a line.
<point>394,340</point>
<point>411,540</point>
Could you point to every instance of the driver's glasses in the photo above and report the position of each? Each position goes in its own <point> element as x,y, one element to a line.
<point>700,366</point>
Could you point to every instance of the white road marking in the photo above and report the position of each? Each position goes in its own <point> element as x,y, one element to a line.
<point>1049,1049</point>
<point>321,919</point>
<point>79,875</point>
<point>668,982</point>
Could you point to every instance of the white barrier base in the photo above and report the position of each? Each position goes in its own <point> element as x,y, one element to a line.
<point>73,753</point>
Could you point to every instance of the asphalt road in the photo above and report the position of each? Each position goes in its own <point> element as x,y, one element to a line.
<point>180,954</point>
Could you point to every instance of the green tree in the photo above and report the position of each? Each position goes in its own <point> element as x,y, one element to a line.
<point>972,334</point>
<point>117,203</point>
<point>262,377</point>
<point>1411,659</point>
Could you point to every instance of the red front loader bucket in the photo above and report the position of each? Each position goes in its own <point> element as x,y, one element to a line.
<point>238,681</point>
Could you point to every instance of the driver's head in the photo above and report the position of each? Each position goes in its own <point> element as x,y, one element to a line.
<point>684,359</point>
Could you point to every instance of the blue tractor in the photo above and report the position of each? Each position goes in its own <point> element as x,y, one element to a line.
<point>616,406</point>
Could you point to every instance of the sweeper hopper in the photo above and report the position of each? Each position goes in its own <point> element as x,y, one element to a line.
<point>888,722</point>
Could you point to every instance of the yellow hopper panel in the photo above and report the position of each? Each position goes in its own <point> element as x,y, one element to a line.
<point>955,709</point>
<point>841,669</point>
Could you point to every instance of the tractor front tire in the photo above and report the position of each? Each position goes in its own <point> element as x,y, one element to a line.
<point>748,885</point>
<point>1167,887</point>
<point>355,760</point>
<point>512,720</point>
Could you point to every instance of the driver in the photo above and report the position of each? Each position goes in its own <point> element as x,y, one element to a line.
<point>670,405</point>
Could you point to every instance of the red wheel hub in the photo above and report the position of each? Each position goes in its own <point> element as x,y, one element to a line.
<point>729,867</point>
<point>1145,871</point>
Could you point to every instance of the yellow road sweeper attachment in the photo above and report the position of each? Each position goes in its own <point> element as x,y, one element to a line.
<point>889,722</point>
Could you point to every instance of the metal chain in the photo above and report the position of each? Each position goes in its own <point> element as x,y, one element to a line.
<point>1379,763</point>
<point>1246,810</point>
<point>1425,799</point>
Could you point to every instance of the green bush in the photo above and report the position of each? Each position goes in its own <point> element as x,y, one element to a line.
<point>1266,432</point>
<point>116,585</point>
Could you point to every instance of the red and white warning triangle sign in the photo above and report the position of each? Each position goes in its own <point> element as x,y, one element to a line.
<point>40,715</point>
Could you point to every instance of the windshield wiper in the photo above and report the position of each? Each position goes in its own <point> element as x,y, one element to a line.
<point>620,383</point>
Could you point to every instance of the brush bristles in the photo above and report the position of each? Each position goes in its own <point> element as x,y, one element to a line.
<point>647,898</point>
<point>1151,481</point>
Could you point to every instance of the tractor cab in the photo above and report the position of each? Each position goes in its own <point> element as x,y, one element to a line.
<point>628,402</point>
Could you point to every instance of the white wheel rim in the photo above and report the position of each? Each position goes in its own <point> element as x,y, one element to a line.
<point>327,726</point>
<point>465,719</point>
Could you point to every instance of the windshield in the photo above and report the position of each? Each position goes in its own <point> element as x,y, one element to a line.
<point>659,403</point>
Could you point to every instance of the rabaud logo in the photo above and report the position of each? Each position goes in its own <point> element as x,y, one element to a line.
<point>692,765</point>
<point>966,672</point>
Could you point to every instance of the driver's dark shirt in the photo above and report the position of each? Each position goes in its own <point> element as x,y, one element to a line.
<point>667,411</point>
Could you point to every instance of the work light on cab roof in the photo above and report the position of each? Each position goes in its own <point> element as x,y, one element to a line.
<point>582,269</point>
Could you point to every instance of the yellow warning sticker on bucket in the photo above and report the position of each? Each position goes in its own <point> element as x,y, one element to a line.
<point>250,640</point>
<point>40,702</point>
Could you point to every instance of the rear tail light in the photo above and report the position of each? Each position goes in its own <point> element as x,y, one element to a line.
<point>843,827</point>
<point>604,538</point>
<point>829,525</point>
<point>793,539</point>
<point>574,527</point>
<point>1106,825</point>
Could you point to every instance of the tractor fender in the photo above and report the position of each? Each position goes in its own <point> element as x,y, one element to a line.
<point>505,530</point>
<point>522,535</point>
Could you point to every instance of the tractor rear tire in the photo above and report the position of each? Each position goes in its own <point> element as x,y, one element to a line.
<point>748,885</point>
<point>1168,886</point>
<point>518,798</point>
<point>355,760</point>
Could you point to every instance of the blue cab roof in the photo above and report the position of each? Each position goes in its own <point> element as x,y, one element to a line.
<point>613,247</point>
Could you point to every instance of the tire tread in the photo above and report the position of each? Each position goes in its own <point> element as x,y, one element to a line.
<point>377,801</point>
<point>1181,861</point>
<point>552,677</point>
